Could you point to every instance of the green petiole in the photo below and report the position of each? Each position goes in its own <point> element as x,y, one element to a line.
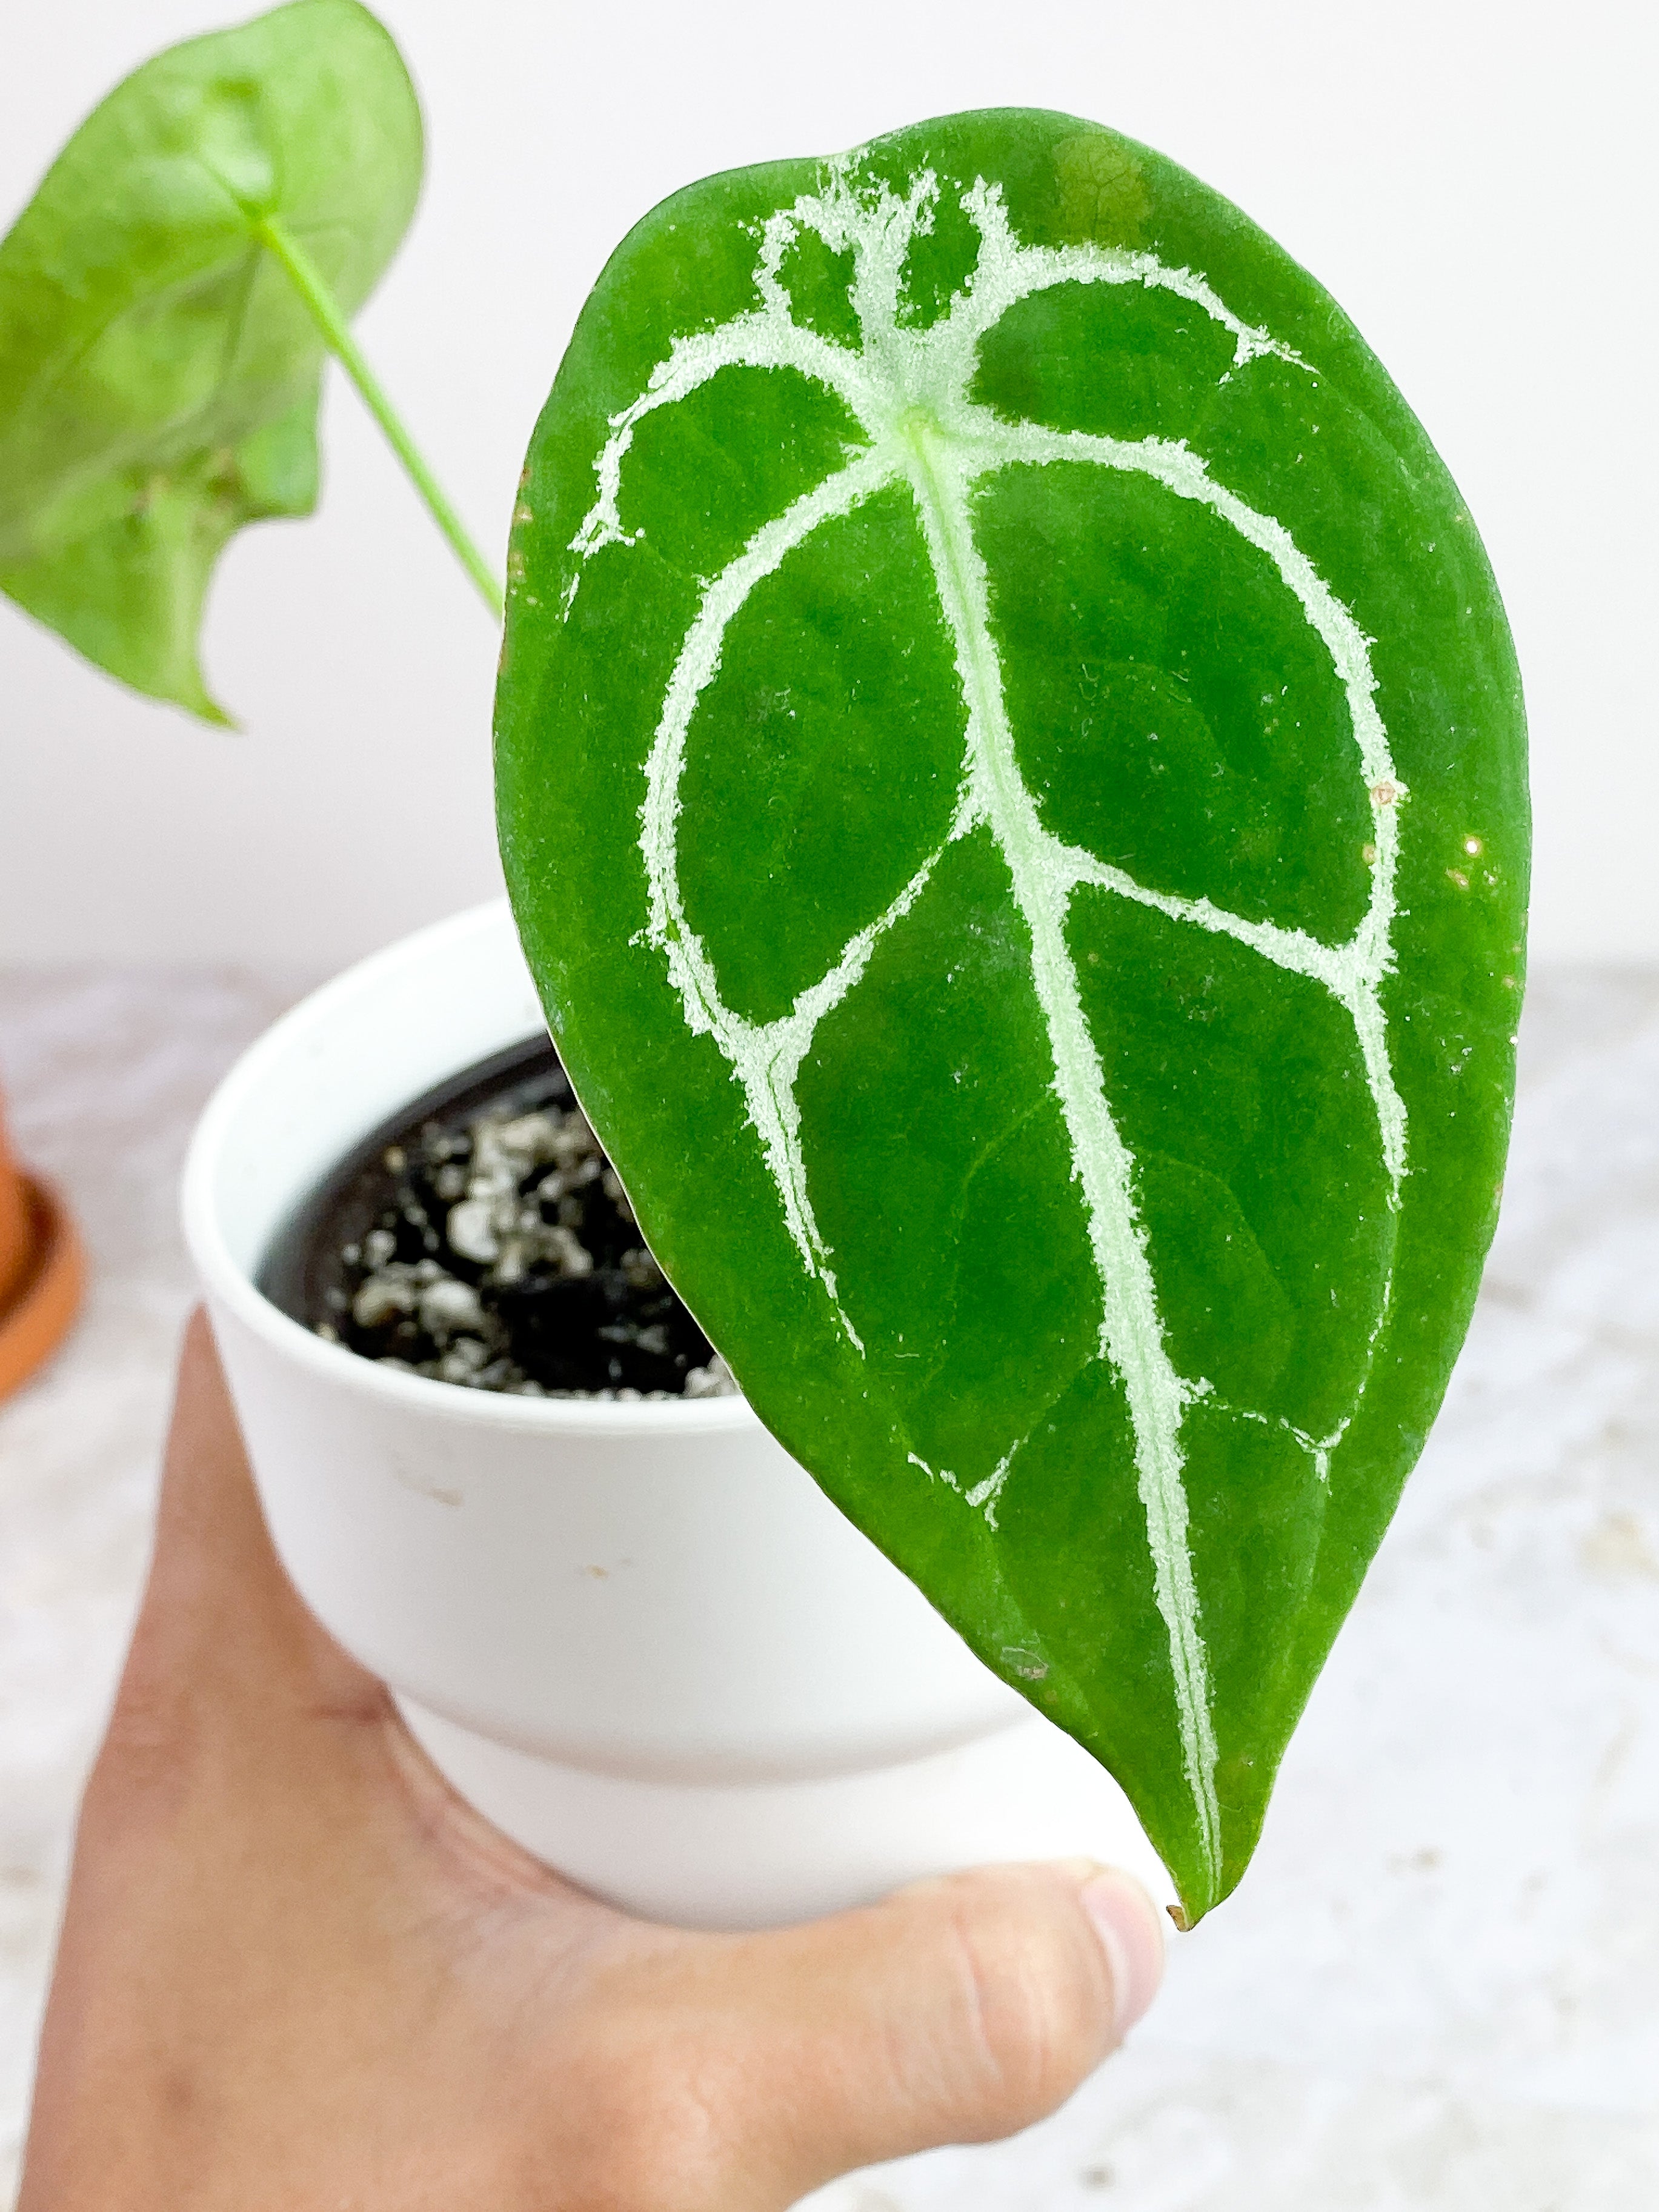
<point>320,302</point>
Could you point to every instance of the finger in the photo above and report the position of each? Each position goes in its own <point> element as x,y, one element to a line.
<point>233,1688</point>
<point>959,2010</point>
<point>221,1624</point>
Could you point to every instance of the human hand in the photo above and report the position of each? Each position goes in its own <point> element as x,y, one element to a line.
<point>298,1973</point>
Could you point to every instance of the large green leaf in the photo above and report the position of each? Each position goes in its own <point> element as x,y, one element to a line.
<point>1011,772</point>
<point>159,373</point>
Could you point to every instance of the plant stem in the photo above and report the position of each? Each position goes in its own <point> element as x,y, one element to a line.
<point>308,283</point>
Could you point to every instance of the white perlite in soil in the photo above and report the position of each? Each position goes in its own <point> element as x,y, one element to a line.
<point>502,1208</point>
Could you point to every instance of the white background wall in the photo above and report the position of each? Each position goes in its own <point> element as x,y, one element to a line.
<point>1472,179</point>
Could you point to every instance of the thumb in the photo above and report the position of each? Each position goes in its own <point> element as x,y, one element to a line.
<point>958,2010</point>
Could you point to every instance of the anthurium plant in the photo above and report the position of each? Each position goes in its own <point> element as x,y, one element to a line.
<point>167,301</point>
<point>1011,770</point>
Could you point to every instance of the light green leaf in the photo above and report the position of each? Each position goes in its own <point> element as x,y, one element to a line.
<point>1011,772</point>
<point>159,372</point>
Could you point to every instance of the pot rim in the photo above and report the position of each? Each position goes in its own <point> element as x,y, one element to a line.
<point>227,1281</point>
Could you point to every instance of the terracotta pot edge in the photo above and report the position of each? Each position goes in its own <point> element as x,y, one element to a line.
<point>39,1314</point>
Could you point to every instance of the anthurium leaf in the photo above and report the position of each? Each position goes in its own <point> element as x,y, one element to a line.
<point>159,373</point>
<point>1011,772</point>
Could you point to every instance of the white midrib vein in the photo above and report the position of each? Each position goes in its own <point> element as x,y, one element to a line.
<point>908,391</point>
<point>1042,874</point>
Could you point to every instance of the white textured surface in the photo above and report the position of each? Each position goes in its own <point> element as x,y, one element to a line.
<point>1438,1990</point>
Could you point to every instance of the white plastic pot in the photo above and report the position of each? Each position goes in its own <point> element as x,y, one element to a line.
<point>638,1636</point>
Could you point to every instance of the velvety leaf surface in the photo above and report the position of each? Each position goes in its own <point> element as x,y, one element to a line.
<point>159,373</point>
<point>1012,780</point>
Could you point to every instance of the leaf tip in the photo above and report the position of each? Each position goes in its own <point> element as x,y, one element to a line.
<point>191,694</point>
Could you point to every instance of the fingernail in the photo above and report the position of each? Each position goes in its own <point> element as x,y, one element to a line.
<point>1126,1920</point>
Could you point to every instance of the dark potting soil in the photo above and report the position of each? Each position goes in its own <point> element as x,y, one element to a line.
<point>481,1236</point>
